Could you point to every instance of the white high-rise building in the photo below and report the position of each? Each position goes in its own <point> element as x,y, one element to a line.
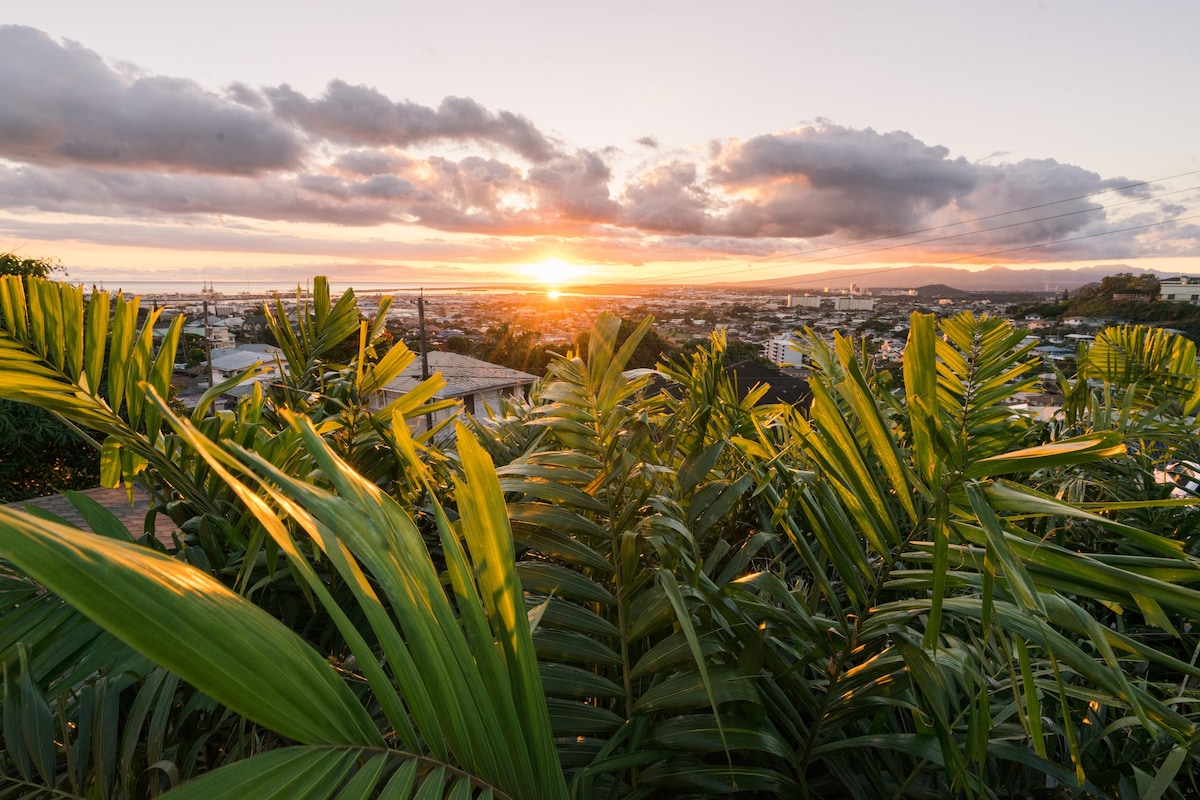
<point>807,301</point>
<point>854,304</point>
<point>781,353</point>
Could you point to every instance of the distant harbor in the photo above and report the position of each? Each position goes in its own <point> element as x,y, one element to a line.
<point>258,288</point>
<point>177,289</point>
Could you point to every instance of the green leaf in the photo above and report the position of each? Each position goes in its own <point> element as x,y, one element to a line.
<point>290,773</point>
<point>195,627</point>
<point>1079,450</point>
<point>691,690</point>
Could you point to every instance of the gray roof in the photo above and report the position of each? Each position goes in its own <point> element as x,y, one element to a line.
<point>268,351</point>
<point>236,360</point>
<point>463,375</point>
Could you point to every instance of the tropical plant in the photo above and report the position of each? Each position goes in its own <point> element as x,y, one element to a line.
<point>619,523</point>
<point>941,630</point>
<point>921,614</point>
<point>388,720</point>
<point>39,455</point>
<point>724,597</point>
<point>53,344</point>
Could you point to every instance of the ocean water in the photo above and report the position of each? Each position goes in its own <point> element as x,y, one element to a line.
<point>166,289</point>
<point>160,288</point>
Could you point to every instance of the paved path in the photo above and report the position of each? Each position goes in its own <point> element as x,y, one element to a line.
<point>115,500</point>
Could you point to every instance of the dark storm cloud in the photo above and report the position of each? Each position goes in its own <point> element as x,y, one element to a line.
<point>360,115</point>
<point>61,104</point>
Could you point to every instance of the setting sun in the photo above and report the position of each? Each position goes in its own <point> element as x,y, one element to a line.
<point>553,271</point>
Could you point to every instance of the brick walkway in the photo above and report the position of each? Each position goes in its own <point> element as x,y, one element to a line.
<point>115,500</point>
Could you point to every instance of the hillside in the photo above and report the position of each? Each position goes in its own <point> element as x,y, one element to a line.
<point>992,279</point>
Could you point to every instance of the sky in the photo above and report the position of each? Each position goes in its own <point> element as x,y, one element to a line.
<point>472,143</point>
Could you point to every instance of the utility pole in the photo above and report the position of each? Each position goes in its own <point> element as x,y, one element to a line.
<point>421,324</point>
<point>424,349</point>
<point>208,343</point>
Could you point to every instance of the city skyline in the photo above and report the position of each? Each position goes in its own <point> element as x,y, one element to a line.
<point>479,144</point>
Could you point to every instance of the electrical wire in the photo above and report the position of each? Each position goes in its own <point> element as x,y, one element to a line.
<point>797,281</point>
<point>713,270</point>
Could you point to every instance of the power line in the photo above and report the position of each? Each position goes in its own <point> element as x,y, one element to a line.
<point>1009,225</point>
<point>747,262</point>
<point>794,281</point>
<point>1073,239</point>
<point>722,268</point>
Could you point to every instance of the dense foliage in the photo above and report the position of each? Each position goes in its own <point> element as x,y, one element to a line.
<point>609,589</point>
<point>41,455</point>
<point>13,264</point>
<point>1122,296</point>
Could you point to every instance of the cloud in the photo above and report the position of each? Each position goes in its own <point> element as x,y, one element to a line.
<point>231,239</point>
<point>824,180</point>
<point>1008,206</point>
<point>133,195</point>
<point>79,136</point>
<point>63,105</point>
<point>575,188</point>
<point>667,199</point>
<point>360,115</point>
<point>844,193</point>
<point>370,162</point>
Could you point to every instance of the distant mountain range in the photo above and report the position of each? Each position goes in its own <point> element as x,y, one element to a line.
<point>992,279</point>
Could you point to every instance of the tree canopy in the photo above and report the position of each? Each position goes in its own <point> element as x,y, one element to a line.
<point>12,264</point>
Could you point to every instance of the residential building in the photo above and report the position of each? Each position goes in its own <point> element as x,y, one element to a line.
<point>781,388</point>
<point>807,301</point>
<point>1184,289</point>
<point>228,363</point>
<point>854,304</point>
<point>476,384</point>
<point>781,352</point>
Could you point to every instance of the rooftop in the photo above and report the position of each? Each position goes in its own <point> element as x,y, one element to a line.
<point>463,375</point>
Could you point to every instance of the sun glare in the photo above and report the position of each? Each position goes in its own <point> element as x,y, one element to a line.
<point>553,272</point>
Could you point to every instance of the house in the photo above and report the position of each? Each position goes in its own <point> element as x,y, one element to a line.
<point>218,335</point>
<point>228,363</point>
<point>475,384</point>
<point>1184,289</point>
<point>1055,353</point>
<point>784,388</point>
